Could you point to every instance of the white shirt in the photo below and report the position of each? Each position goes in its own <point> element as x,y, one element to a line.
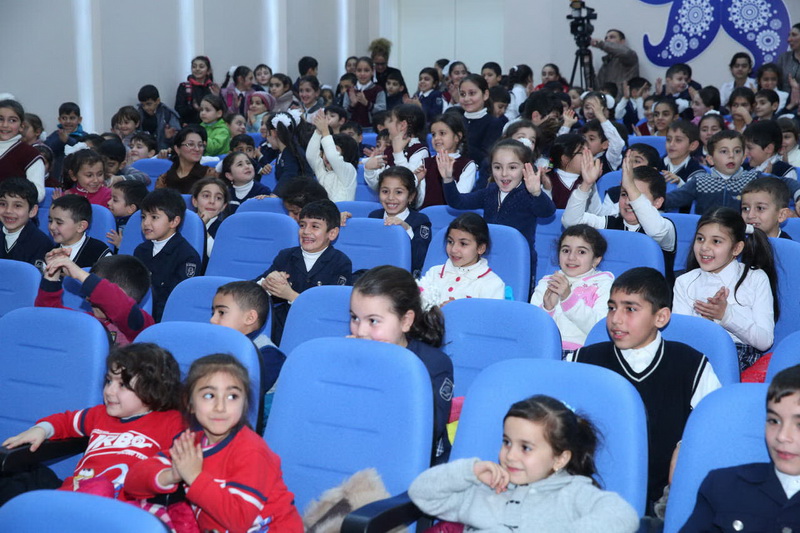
<point>727,88</point>
<point>402,216</point>
<point>763,167</point>
<point>412,163</point>
<point>240,191</point>
<point>793,157</point>
<point>517,95</point>
<point>159,245</point>
<point>749,316</point>
<point>465,183</point>
<point>790,484</point>
<point>34,173</point>
<point>209,238</point>
<point>615,144</point>
<point>11,238</point>
<point>75,247</point>
<point>444,282</point>
<point>340,180</point>
<point>310,258</point>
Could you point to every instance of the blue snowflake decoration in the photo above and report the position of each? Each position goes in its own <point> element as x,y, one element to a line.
<point>758,25</point>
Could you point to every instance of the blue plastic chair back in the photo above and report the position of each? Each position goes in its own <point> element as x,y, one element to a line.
<point>787,257</point>
<point>548,231</point>
<point>657,142</point>
<point>622,457</point>
<point>188,341</point>
<point>685,228</point>
<point>192,229</point>
<point>257,138</point>
<point>359,208</point>
<point>44,210</point>
<point>191,299</point>
<point>322,311</point>
<point>75,512</point>
<point>187,199</point>
<point>247,243</point>
<point>619,258</point>
<point>725,429</point>
<point>364,193</point>
<point>19,284</point>
<point>264,205</point>
<point>153,168</point>
<point>369,243</point>
<point>509,257</point>
<point>344,405</point>
<point>370,138</point>
<point>608,180</point>
<point>792,226</point>
<point>785,354</point>
<point>480,332</point>
<point>442,215</point>
<point>102,222</point>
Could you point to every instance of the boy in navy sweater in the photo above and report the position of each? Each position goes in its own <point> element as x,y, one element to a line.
<point>763,141</point>
<point>126,198</point>
<point>70,218</point>
<point>22,240</point>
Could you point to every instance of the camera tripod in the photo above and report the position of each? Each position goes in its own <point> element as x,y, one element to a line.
<point>584,66</point>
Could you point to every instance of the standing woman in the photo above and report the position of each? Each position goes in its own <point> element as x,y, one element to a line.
<point>790,64</point>
<point>191,92</point>
<point>379,52</point>
<point>186,169</point>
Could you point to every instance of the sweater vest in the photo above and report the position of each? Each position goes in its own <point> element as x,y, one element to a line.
<point>434,194</point>
<point>17,159</point>
<point>560,191</point>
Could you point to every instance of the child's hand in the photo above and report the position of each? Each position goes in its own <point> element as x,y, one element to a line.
<point>491,474</point>
<point>169,131</point>
<point>114,237</point>
<point>266,169</point>
<point>597,108</point>
<point>34,436</point>
<point>345,216</point>
<point>419,174</point>
<point>369,151</point>
<point>445,165</point>
<point>413,101</point>
<point>394,221</point>
<point>375,162</point>
<point>626,90</point>
<point>205,216</point>
<point>671,177</point>
<point>62,264</point>
<point>277,284</point>
<point>659,85</point>
<point>321,122</point>
<point>187,457</point>
<point>214,88</point>
<point>570,118</point>
<point>549,300</point>
<point>714,308</point>
<point>533,179</point>
<point>165,153</point>
<point>559,284</point>
<point>591,168</point>
<point>58,192</point>
<point>114,179</point>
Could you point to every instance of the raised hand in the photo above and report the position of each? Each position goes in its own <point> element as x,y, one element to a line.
<point>570,118</point>
<point>591,168</point>
<point>713,308</point>
<point>533,178</point>
<point>445,165</point>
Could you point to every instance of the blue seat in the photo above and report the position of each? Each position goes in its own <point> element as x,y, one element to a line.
<point>370,138</point>
<point>153,168</point>
<point>710,339</point>
<point>187,199</point>
<point>369,243</point>
<point>792,227</point>
<point>75,512</point>
<point>188,341</point>
<point>264,205</point>
<point>608,180</point>
<point>270,179</point>
<point>480,332</point>
<point>257,138</point>
<point>508,256</point>
<point>785,354</point>
<point>787,257</point>
<point>619,258</point>
<point>247,243</point>
<point>685,228</point>
<point>191,299</point>
<point>19,284</point>
<point>364,193</point>
<point>725,429</point>
<point>44,210</point>
<point>657,142</point>
<point>102,222</point>
<point>322,311</point>
<point>548,231</point>
<point>442,215</point>
<point>191,227</point>
<point>359,208</point>
<point>344,405</point>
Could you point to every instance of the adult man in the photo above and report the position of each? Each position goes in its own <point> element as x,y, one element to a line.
<point>620,63</point>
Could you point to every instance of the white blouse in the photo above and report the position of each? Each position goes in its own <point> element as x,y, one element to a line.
<point>446,282</point>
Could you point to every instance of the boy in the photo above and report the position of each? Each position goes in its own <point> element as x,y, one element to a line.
<point>300,192</point>
<point>683,138</point>
<point>143,146</point>
<point>379,119</point>
<point>156,118</point>
<point>315,262</point>
<point>671,377</point>
<point>766,104</point>
<point>676,85</point>
<point>167,255</point>
<point>307,66</point>
<point>126,198</point>
<point>125,123</point>
<point>354,130</point>
<point>721,187</point>
<point>649,127</point>
<point>246,144</point>
<point>115,288</point>
<point>765,205</point>
<point>22,240</point>
<point>69,133</point>
<point>395,90</point>
<point>763,141</point>
<point>337,116</point>
<point>602,137</point>
<point>630,108</point>
<point>70,217</point>
<point>764,495</point>
<point>500,100</point>
<point>789,148</point>
<point>115,156</point>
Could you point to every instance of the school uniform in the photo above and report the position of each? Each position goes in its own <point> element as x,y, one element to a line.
<point>340,180</point>
<point>411,157</point>
<point>211,228</point>
<point>28,245</point>
<point>783,235</point>
<point>779,168</point>
<point>684,169</point>
<point>420,235</point>
<point>394,100</point>
<point>288,166</point>
<point>442,283</point>
<point>563,184</point>
<point>19,159</point>
<point>241,193</point>
<point>432,103</point>
<point>55,144</point>
<point>271,361</point>
<point>483,130</point>
<point>176,261</point>
<point>361,113</point>
<point>87,251</point>
<point>429,191</point>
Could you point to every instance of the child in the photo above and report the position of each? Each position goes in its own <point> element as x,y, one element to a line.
<point>741,66</point>
<point>337,116</point>
<point>238,169</point>
<point>157,119</point>
<point>710,124</point>
<point>676,86</point>
<point>492,73</point>
<point>764,494</point>
<point>763,141</point>
<point>739,296</point>
<point>87,170</point>
<point>766,104</point>
<point>769,76</point>
<point>671,377</point>
<point>212,108</point>
<point>543,482</point>
<point>300,192</point>
<point>315,262</point>
<point>126,199</point>
<point>602,138</point>
<point>465,274</point>
<point>125,123</point>
<point>507,200</point>
<point>231,477</point>
<point>396,91</point>
<point>210,198</point>
<point>32,129</point>
<point>366,97</point>
<point>456,72</point>
<point>19,158</point>
<point>68,133</point>
<point>789,148</point>
<point>500,100</point>
<point>576,295</point>
<point>115,170</point>
<point>765,205</point>
<point>333,159</point>
<point>262,75</point>
<point>665,112</point>
<point>259,105</point>
<point>234,95</point>
<point>137,419</point>
<point>356,132</point>
<point>448,137</point>
<point>22,240</point>
<point>311,102</point>
<point>70,217</point>
<point>705,100</point>
<point>386,306</point>
<point>649,126</point>
<point>198,84</point>
<point>167,255</point>
<point>567,154</point>
<point>347,81</point>
<point>247,145</point>
<point>483,129</point>
<point>740,106</point>
<point>280,87</point>
<point>237,124</point>
<point>519,78</point>
<point>291,161</point>
<point>406,125</point>
<point>143,146</point>
<point>683,138</point>
<point>430,98</point>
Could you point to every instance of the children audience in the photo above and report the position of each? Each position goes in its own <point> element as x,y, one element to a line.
<point>210,198</point>
<point>22,240</point>
<point>87,171</point>
<point>69,132</point>
<point>238,169</point>
<point>765,205</point>
<point>449,140</point>
<point>116,158</point>
<point>156,118</point>
<point>70,217</point>
<point>763,141</point>
<point>406,125</point>
<point>218,136</point>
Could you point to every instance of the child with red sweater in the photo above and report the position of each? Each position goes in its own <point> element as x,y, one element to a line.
<point>87,170</point>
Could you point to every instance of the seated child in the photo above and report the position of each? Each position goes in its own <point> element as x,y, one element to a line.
<point>649,126</point>
<point>766,105</point>
<point>500,100</point>
<point>683,138</point>
<point>160,121</point>
<point>246,144</point>
<point>705,100</point>
<point>238,170</point>
<point>601,136</point>
<point>68,133</point>
<point>168,256</point>
<point>670,376</point>
<point>763,141</point>
<point>740,106</point>
<point>333,158</point>
<point>789,149</point>
<point>465,274</point>
<point>212,108</point>
<point>764,495</point>
<point>143,146</point>
<point>300,192</point>
<point>429,97</point>
<point>396,92</point>
<point>210,197</point>
<point>87,171</point>
<point>765,205</point>
<point>676,86</point>
<point>138,419</point>
<point>665,112</point>
<point>231,477</point>
<point>576,295</point>
<point>406,124</point>
<point>315,262</point>
<point>354,130</point>
<point>126,199</point>
<point>19,159</point>
<point>448,137</point>
<point>710,124</point>
<point>125,123</point>
<point>114,287</point>
<point>630,108</point>
<point>22,240</point>
<point>542,480</point>
<point>115,158</point>
<point>337,117</point>
<point>70,217</point>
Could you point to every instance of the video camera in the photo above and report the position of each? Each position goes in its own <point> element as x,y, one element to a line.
<point>581,25</point>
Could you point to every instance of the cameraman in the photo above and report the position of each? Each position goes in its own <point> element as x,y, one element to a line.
<point>620,63</point>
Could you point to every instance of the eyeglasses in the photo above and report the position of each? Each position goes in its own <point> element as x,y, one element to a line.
<point>194,146</point>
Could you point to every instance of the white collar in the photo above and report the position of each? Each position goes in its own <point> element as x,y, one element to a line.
<point>723,175</point>
<point>242,190</point>
<point>763,166</point>
<point>790,484</point>
<point>11,141</point>
<point>640,358</point>
<point>728,275</point>
<point>211,221</point>
<point>402,216</point>
<point>574,279</point>
<point>313,255</point>
<point>10,234</point>
<point>675,168</point>
<point>426,93</point>
<point>567,178</point>
<point>159,245</point>
<point>474,271</point>
<point>363,87</point>
<point>75,247</point>
<point>472,115</point>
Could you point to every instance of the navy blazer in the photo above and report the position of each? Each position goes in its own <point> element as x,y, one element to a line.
<point>421,227</point>
<point>31,246</point>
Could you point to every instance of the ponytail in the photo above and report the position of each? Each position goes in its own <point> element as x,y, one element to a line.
<point>758,254</point>
<point>428,326</point>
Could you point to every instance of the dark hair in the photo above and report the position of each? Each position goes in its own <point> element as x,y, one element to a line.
<point>150,371</point>
<point>324,210</point>
<point>687,128</point>
<point>594,126</point>
<point>441,63</point>
<point>346,61</point>
<point>227,165</point>
<point>379,117</point>
<point>211,364</point>
<point>349,148</point>
<point>589,234</point>
<point>522,152</point>
<point>566,145</point>
<point>770,67</point>
<point>77,206</point>
<point>454,64</point>
<point>347,76</point>
<point>398,77</point>
<point>382,135</point>
<point>241,72</point>
<point>763,133</point>
<point>69,108</point>
<point>197,186</point>
<point>716,118</point>
<point>302,190</point>
<point>133,191</point>
<point>169,201</point>
<point>637,82</point>
<point>127,112</point>
<point>242,138</point>
<point>711,144</point>
<point>285,80</point>
<point>288,136</point>
<point>650,153</point>
<point>679,68</point>
<point>207,61</point>
<point>667,101</point>
<point>770,95</point>
<point>609,88</point>
<point>784,383</point>
<point>654,180</point>
<point>519,74</point>
<point>20,188</point>
<point>564,430</point>
<point>789,126</point>
<point>456,124</point>
<point>180,137</point>
<point>741,55</point>
<point>543,102</point>
<point>433,73</point>
<point>710,97</point>
<point>499,94</point>
<point>16,107</point>
<point>33,121</point>
<point>648,283</point>
<point>146,139</point>
<point>83,157</point>
<point>400,287</point>
<point>215,101</point>
<point>775,187</point>
<point>337,110</point>
<point>494,67</point>
<point>263,66</point>
<point>248,295</point>
<point>46,152</point>
<point>475,225</point>
<point>367,60</point>
<point>480,83</point>
<point>619,32</point>
<point>305,64</point>
<point>113,150</point>
<point>125,271</point>
<point>742,92</point>
<point>405,176</point>
<point>309,79</point>
<point>757,252</point>
<point>148,92</point>
<point>413,116</point>
<point>352,125</point>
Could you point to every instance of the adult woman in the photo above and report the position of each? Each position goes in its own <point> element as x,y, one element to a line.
<point>186,153</point>
<point>191,92</point>
<point>379,52</point>
<point>790,63</point>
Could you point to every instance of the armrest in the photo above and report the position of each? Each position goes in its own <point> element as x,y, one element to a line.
<point>21,458</point>
<point>382,515</point>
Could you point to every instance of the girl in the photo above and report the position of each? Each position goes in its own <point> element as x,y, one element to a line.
<point>649,126</point>
<point>740,106</point>
<point>524,129</point>
<point>210,197</point>
<point>291,160</point>
<point>191,92</point>
<point>334,160</point>
<point>350,65</point>
<point>741,66</point>
<point>19,159</point>
<point>428,96</point>
<point>366,97</point>
<point>280,87</point>
<point>310,101</point>
<point>550,73</point>
<point>709,124</point>
<point>32,129</point>
<point>770,76</point>
<point>741,297</point>
<point>456,72</point>
<point>238,169</point>
<point>483,129</point>
<point>519,77</point>
<point>507,200</point>
<point>235,95</point>
<point>406,126</point>
<point>258,106</point>
<point>448,137</point>
<point>326,93</point>
<point>186,154</point>
<point>576,295</point>
<point>87,171</point>
<point>217,132</point>
<point>237,124</point>
<point>466,274</point>
<point>567,155</point>
<point>492,73</point>
<point>386,306</point>
<point>231,477</point>
<point>705,100</point>
<point>665,112</point>
<point>262,76</point>
<point>543,481</point>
